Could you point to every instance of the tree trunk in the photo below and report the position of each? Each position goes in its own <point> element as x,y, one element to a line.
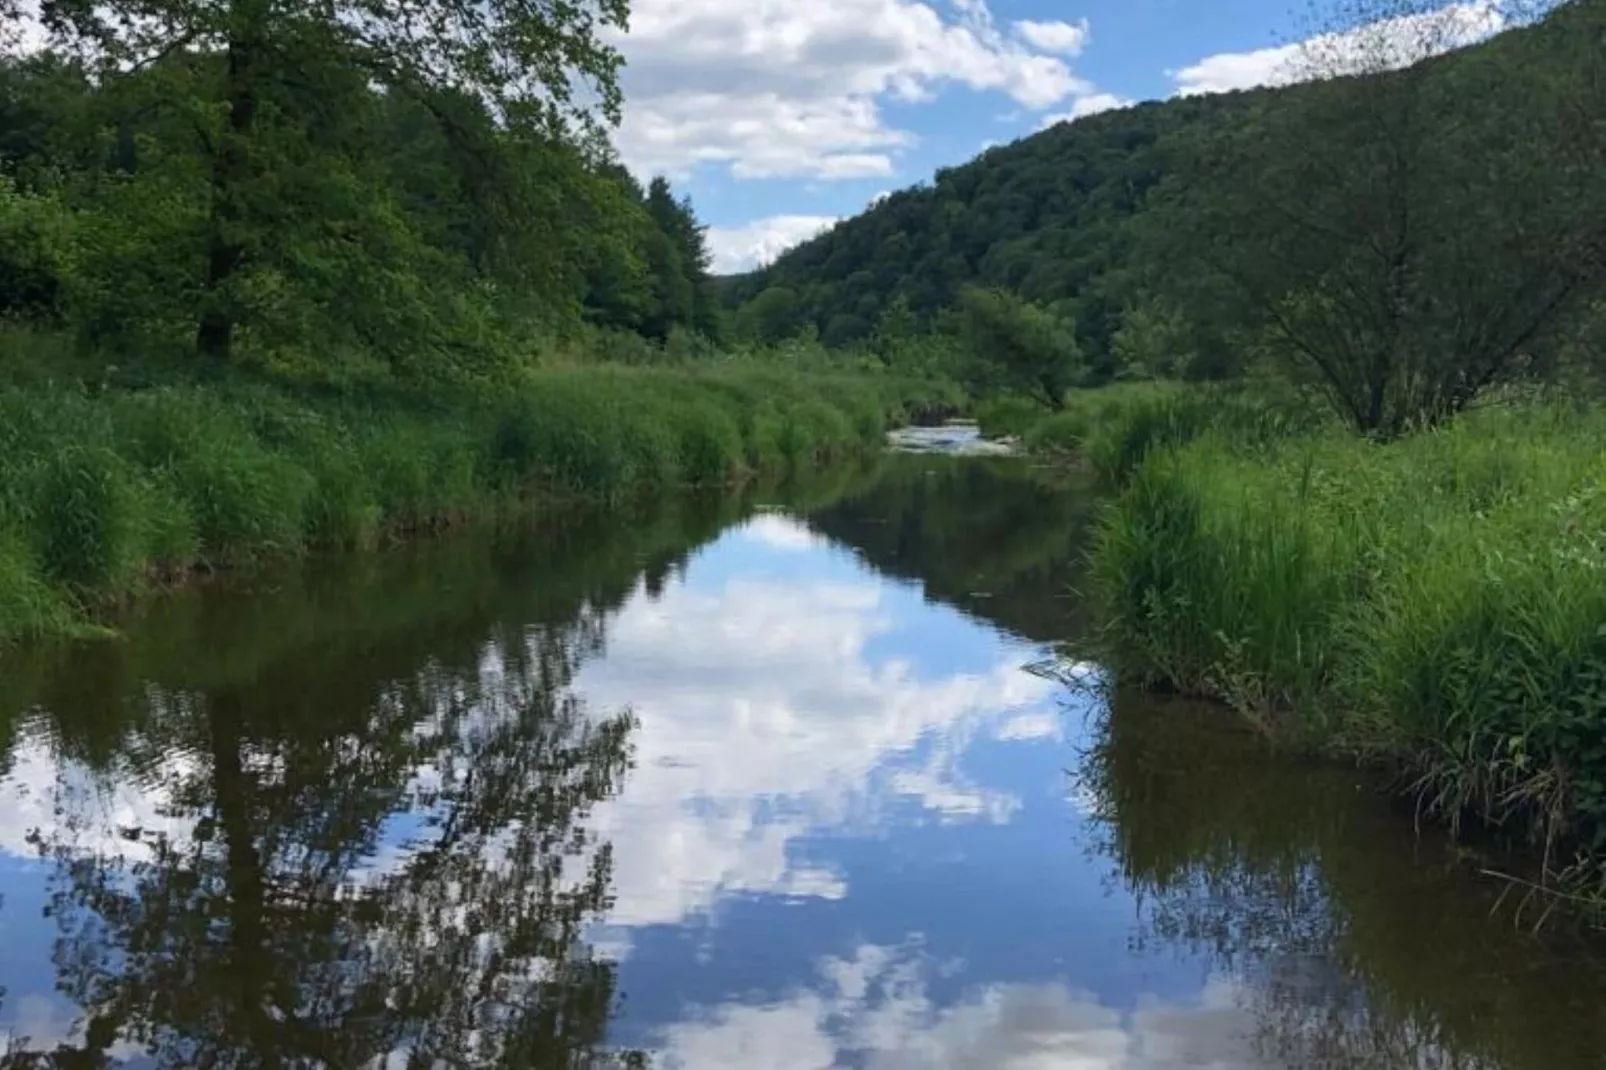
<point>226,251</point>
<point>247,898</point>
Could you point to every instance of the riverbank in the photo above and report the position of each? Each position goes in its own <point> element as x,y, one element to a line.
<point>105,495</point>
<point>1433,605</point>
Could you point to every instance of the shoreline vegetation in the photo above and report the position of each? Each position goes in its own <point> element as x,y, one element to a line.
<point>105,495</point>
<point>1433,606</point>
<point>275,278</point>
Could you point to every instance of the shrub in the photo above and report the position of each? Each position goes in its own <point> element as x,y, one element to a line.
<point>1000,417</point>
<point>1063,432</point>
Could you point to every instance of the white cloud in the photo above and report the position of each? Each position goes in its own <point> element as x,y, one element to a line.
<point>1388,43</point>
<point>757,243</point>
<point>779,533</point>
<point>773,90</point>
<point>874,1009</point>
<point>1066,38</point>
<point>1038,725</point>
<point>769,722</point>
<point>113,816</point>
<point>1085,106</point>
<point>25,34</point>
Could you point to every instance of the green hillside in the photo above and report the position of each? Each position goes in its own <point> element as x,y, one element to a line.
<point>1047,216</point>
<point>1120,211</point>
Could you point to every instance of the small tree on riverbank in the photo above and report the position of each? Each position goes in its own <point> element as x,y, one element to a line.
<point>1019,346</point>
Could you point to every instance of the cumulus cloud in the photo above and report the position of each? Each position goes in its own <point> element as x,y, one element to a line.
<point>771,90</point>
<point>1085,106</point>
<point>25,33</point>
<point>779,533</point>
<point>770,722</point>
<point>1066,38</point>
<point>1388,43</point>
<point>113,817</point>
<point>756,244</point>
<point>873,1008</point>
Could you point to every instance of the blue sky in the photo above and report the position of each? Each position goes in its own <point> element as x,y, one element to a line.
<point>808,109</point>
<point>778,116</point>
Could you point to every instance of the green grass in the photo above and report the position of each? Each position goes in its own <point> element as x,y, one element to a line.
<point>1438,603</point>
<point>1113,428</point>
<point>101,492</point>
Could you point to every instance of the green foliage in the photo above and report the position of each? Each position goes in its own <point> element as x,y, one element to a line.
<point>87,520</point>
<point>35,251</point>
<point>1400,250</point>
<point>1436,602</point>
<point>1018,346</point>
<point>1115,428</point>
<point>1062,433</point>
<point>1382,237</point>
<point>97,493</point>
<point>340,222</point>
<point>1154,340</point>
<point>1044,217</point>
<point>29,605</point>
<point>1001,417</point>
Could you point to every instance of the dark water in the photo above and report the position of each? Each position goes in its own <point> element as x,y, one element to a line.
<point>715,785</point>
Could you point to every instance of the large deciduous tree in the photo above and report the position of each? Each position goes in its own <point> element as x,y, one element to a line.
<point>1416,224</point>
<point>277,72</point>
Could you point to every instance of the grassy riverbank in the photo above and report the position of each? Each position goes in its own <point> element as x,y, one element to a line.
<point>107,494</point>
<point>1437,604</point>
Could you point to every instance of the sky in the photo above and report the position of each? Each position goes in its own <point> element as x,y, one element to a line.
<point>778,117</point>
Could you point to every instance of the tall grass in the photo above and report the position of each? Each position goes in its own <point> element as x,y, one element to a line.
<point>1113,428</point>
<point>100,494</point>
<point>1438,603</point>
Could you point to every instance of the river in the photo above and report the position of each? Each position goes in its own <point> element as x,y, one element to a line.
<point>766,781</point>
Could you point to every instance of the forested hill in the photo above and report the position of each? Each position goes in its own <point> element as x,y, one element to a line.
<point>1045,216</point>
<point>1067,217</point>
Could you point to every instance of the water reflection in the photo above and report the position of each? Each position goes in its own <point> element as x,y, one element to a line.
<point>723,786</point>
<point>398,880</point>
<point>1356,942</point>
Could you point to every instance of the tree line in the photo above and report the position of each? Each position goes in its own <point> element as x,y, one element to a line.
<point>334,185</point>
<point>1408,225</point>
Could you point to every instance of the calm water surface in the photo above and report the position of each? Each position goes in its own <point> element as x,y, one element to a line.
<point>727,784</point>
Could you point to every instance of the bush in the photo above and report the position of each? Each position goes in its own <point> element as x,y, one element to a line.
<point>1064,432</point>
<point>813,431</point>
<point>1008,416</point>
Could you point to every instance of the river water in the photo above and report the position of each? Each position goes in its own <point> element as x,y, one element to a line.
<point>767,781</point>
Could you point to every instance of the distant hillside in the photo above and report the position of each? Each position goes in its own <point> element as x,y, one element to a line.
<point>1045,216</point>
<point>1058,217</point>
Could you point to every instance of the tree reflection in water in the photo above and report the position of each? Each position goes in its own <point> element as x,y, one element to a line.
<point>1351,943</point>
<point>383,866</point>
